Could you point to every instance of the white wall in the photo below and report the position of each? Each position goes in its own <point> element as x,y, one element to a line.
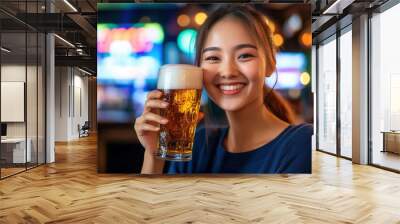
<point>13,73</point>
<point>80,109</point>
<point>33,127</point>
<point>71,93</point>
<point>62,81</point>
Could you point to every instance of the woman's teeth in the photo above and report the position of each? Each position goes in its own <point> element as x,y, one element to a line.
<point>231,87</point>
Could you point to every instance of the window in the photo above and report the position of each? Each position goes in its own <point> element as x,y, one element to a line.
<point>346,94</point>
<point>327,96</point>
<point>385,89</point>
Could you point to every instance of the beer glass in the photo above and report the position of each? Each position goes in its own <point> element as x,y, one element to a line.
<point>181,87</point>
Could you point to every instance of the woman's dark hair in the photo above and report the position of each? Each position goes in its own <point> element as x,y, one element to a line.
<point>257,25</point>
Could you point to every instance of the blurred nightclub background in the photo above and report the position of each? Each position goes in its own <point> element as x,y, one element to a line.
<point>134,40</point>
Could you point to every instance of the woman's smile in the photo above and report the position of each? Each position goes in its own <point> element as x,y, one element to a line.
<point>231,88</point>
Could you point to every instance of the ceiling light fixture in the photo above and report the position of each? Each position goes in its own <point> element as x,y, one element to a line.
<point>331,7</point>
<point>64,40</point>
<point>84,71</point>
<point>337,7</point>
<point>70,5</point>
<point>5,49</point>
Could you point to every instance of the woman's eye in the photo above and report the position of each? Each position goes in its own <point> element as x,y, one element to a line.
<point>211,59</point>
<point>245,56</point>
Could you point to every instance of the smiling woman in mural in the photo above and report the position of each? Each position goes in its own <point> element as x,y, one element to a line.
<point>236,52</point>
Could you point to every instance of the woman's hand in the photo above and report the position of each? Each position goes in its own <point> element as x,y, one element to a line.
<point>147,125</point>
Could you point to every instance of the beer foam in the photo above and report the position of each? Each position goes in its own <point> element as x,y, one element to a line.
<point>180,76</point>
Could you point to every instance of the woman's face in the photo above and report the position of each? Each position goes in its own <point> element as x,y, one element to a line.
<point>233,66</point>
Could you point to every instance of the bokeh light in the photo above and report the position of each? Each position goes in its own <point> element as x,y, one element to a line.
<point>183,20</point>
<point>155,32</point>
<point>292,25</point>
<point>278,40</point>
<point>141,36</point>
<point>294,93</point>
<point>305,78</point>
<point>200,17</point>
<point>306,39</point>
<point>186,40</point>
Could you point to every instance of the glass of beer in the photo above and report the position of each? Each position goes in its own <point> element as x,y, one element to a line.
<point>181,87</point>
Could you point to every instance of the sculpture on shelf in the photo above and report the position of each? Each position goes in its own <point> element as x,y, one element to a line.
<point>84,130</point>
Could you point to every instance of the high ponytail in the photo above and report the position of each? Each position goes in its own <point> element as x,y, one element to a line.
<point>277,105</point>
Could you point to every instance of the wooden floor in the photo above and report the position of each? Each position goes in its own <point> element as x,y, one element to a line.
<point>70,191</point>
<point>5,172</point>
<point>10,171</point>
<point>388,159</point>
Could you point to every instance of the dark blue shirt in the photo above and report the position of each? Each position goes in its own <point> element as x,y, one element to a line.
<point>289,152</point>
